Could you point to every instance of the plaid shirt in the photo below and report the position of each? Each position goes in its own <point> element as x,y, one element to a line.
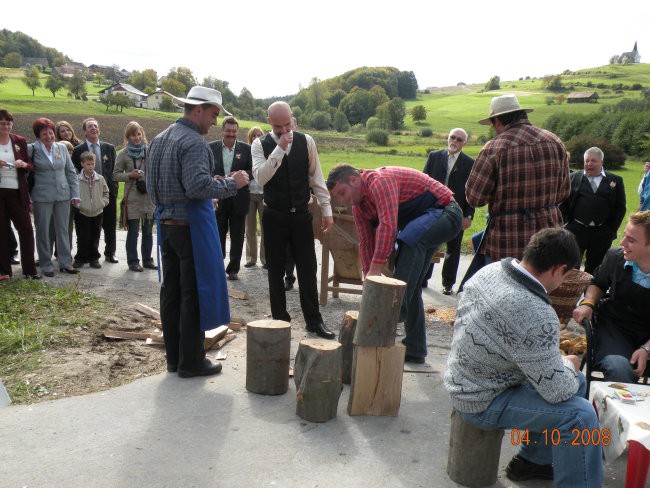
<point>384,189</point>
<point>523,175</point>
<point>180,166</point>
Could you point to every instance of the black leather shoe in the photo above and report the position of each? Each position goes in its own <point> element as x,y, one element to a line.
<point>288,285</point>
<point>320,330</point>
<point>249,265</point>
<point>111,258</point>
<point>232,276</point>
<point>49,274</point>
<point>77,264</point>
<point>172,368</point>
<point>14,260</point>
<point>446,290</point>
<point>95,264</point>
<point>33,277</point>
<point>69,270</point>
<point>208,369</point>
<point>414,359</point>
<point>519,469</point>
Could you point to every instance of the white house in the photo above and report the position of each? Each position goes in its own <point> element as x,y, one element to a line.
<point>139,98</point>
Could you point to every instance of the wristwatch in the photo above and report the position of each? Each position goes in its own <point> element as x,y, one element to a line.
<point>646,349</point>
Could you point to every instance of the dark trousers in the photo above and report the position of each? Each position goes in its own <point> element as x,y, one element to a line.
<point>89,229</point>
<point>282,229</point>
<point>594,242</point>
<point>289,268</point>
<point>109,224</point>
<point>228,221</point>
<point>179,300</point>
<point>11,208</point>
<point>450,264</point>
<point>13,243</point>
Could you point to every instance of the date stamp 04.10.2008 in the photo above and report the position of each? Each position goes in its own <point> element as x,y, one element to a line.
<point>552,437</point>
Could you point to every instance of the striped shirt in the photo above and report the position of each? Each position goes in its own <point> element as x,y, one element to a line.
<point>522,175</point>
<point>382,193</point>
<point>180,167</point>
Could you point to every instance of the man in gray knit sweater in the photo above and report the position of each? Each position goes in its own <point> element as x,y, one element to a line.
<point>505,370</point>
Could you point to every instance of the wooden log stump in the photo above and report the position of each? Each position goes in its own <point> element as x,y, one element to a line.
<point>473,458</point>
<point>379,312</point>
<point>317,374</point>
<point>346,336</point>
<point>268,344</point>
<point>376,387</point>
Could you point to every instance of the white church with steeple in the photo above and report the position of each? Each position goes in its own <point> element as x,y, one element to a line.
<point>630,57</point>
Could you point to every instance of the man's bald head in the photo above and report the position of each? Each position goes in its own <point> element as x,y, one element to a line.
<point>280,118</point>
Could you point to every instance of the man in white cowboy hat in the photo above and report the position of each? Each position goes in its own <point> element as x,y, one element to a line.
<point>522,175</point>
<point>180,183</point>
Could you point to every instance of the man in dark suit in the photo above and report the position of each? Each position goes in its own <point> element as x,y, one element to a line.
<point>231,155</point>
<point>595,208</point>
<point>451,167</point>
<point>104,164</point>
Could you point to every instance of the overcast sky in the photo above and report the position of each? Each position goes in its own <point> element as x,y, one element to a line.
<point>274,48</point>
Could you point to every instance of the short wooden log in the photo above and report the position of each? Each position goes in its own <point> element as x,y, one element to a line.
<point>473,458</point>
<point>268,344</point>
<point>317,374</point>
<point>379,311</point>
<point>376,387</point>
<point>346,336</point>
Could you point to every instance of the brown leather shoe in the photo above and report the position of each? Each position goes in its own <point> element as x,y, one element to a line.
<point>136,267</point>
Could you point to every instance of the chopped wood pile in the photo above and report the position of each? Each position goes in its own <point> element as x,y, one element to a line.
<point>214,339</point>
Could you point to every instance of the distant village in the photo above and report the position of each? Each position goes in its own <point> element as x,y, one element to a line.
<point>139,99</point>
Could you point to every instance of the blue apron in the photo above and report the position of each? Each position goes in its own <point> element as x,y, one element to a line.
<point>211,284</point>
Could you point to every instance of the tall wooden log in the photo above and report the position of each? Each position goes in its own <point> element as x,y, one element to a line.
<point>268,344</point>
<point>317,374</point>
<point>376,387</point>
<point>379,311</point>
<point>346,336</point>
<point>473,458</point>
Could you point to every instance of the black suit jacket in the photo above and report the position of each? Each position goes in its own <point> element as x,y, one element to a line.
<point>436,167</point>
<point>108,163</point>
<point>242,160</point>
<point>611,188</point>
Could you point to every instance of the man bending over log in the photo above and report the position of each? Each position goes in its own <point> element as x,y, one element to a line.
<point>406,206</point>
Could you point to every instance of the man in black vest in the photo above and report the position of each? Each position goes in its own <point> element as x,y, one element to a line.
<point>285,163</point>
<point>451,167</point>
<point>595,209</point>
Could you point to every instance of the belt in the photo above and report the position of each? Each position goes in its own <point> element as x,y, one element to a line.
<point>300,209</point>
<point>182,223</point>
<point>592,225</point>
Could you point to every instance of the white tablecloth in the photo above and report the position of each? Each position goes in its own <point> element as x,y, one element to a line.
<point>625,422</point>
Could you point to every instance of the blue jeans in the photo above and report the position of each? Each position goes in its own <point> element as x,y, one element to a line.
<point>522,408</point>
<point>411,267</point>
<point>617,368</point>
<point>132,241</point>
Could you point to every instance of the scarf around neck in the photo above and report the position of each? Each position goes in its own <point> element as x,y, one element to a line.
<point>136,151</point>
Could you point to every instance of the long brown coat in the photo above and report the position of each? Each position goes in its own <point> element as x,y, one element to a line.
<point>138,204</point>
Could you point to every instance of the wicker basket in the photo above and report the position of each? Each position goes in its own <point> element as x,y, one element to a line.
<point>565,298</point>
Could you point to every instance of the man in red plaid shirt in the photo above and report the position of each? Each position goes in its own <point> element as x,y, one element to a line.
<point>522,175</point>
<point>403,205</point>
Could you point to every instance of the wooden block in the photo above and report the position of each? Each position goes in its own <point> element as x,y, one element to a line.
<point>125,334</point>
<point>224,341</point>
<point>376,387</point>
<point>379,311</point>
<point>472,447</point>
<point>148,311</point>
<point>214,335</point>
<point>241,295</point>
<point>318,379</point>
<point>236,323</point>
<point>346,335</point>
<point>268,344</point>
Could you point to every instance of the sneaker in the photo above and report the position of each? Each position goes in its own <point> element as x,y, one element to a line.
<point>519,469</point>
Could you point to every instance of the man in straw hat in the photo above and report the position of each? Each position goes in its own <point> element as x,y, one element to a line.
<point>522,175</point>
<point>193,297</point>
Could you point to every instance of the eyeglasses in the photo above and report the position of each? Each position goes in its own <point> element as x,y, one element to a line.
<point>456,138</point>
<point>5,122</point>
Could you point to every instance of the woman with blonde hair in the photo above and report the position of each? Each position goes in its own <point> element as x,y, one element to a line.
<point>130,167</point>
<point>256,206</point>
<point>65,132</point>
